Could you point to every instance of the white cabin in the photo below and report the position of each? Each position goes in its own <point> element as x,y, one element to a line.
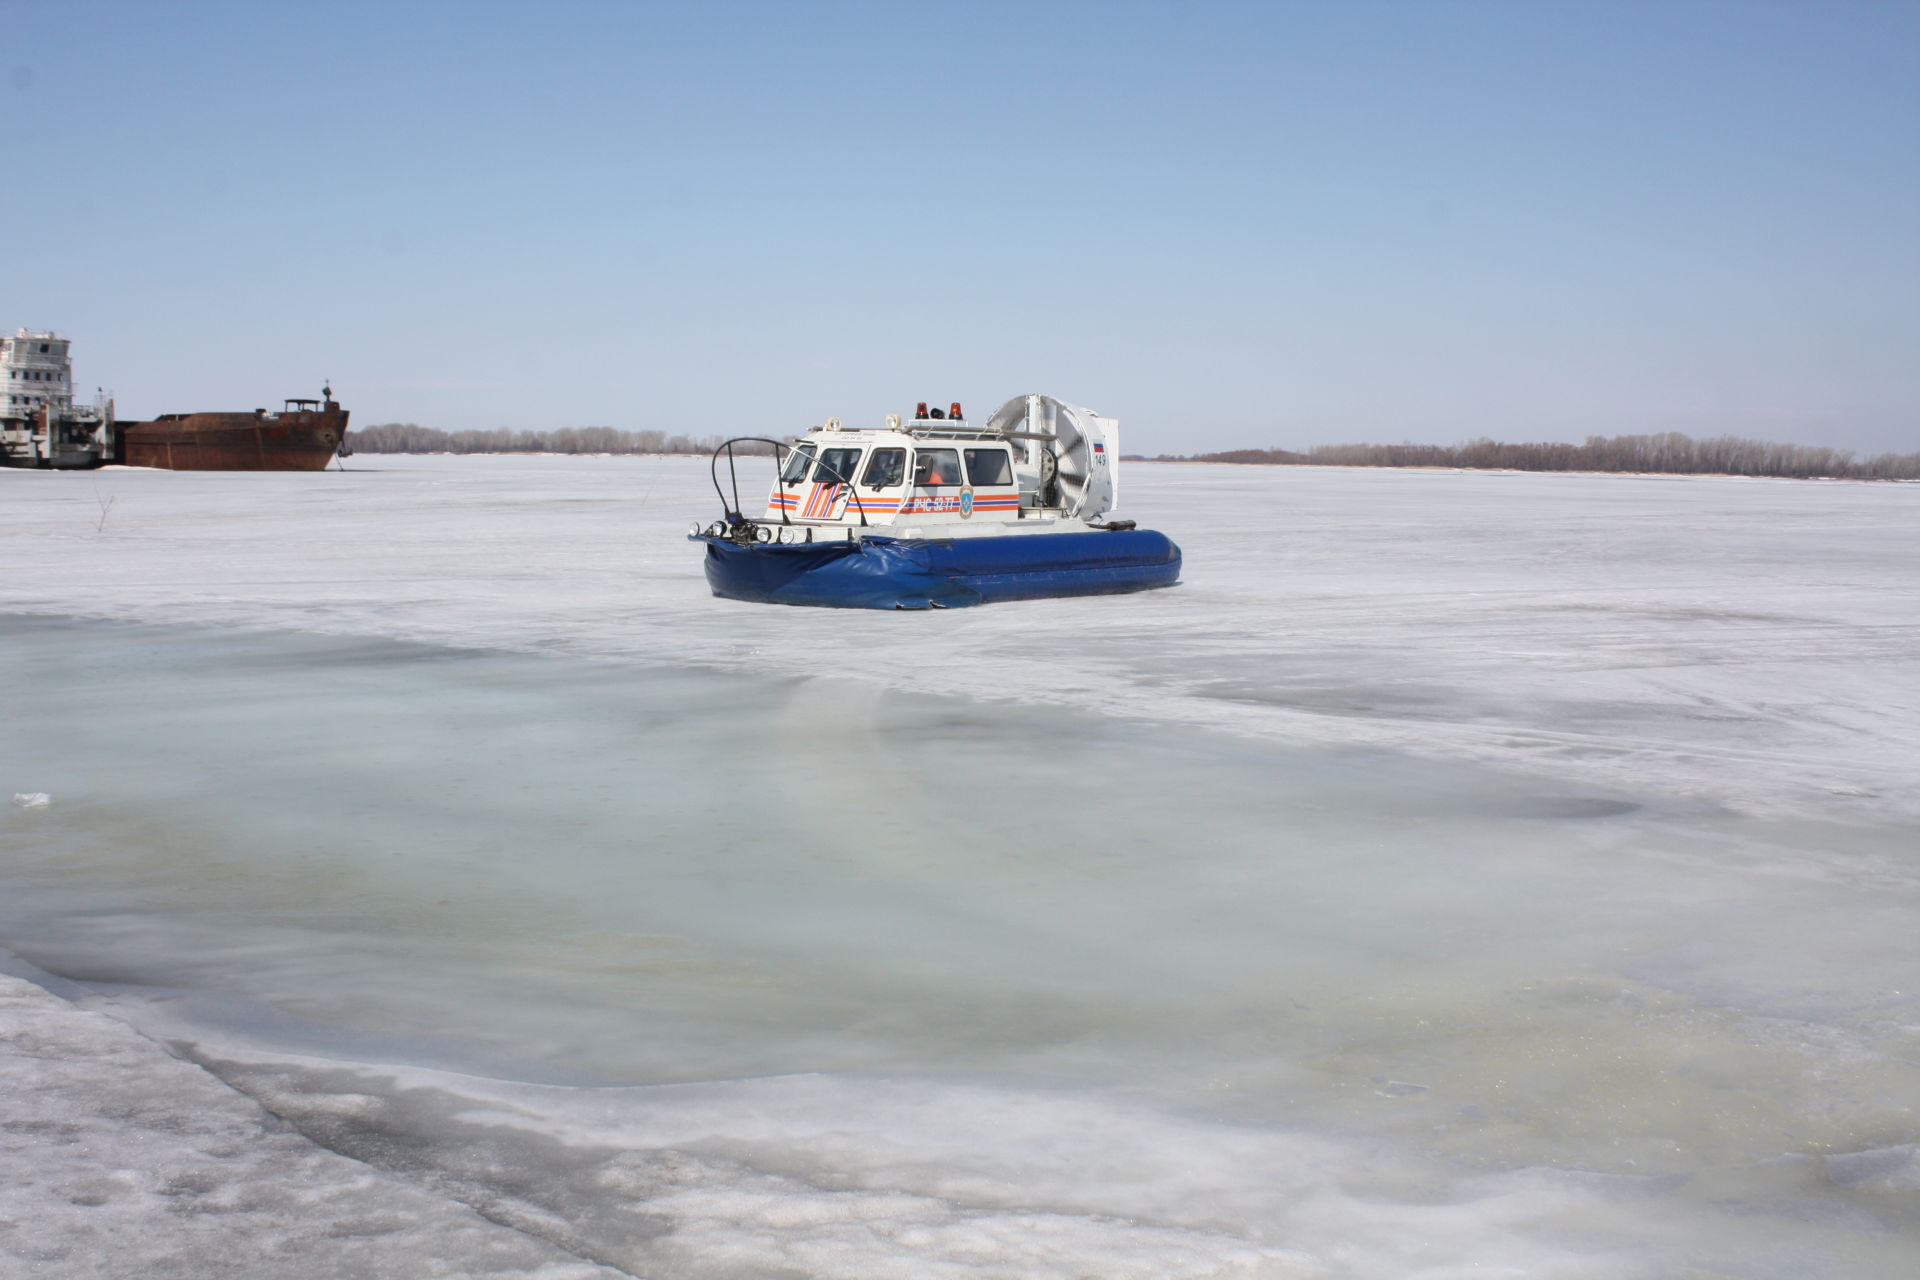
<point>1037,465</point>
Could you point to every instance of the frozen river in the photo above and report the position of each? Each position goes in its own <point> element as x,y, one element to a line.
<point>1489,874</point>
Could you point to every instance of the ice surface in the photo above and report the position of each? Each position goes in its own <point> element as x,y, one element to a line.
<point>1752,641</point>
<point>120,1161</point>
<point>1457,874</point>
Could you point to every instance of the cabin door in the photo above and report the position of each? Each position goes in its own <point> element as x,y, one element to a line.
<point>826,497</point>
<point>937,483</point>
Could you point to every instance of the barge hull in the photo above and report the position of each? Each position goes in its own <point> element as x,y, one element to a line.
<point>300,441</point>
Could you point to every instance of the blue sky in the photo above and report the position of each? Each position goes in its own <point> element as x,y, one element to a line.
<point>1226,224</point>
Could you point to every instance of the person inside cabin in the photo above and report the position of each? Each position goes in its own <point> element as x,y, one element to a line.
<point>936,467</point>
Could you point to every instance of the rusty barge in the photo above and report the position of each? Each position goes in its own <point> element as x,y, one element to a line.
<point>304,436</point>
<point>40,426</point>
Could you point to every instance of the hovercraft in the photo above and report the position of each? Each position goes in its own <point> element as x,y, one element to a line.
<point>936,513</point>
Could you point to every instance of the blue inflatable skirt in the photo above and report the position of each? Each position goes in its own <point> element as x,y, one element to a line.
<point>888,573</point>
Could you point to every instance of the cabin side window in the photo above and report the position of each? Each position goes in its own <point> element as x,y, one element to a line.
<point>886,469</point>
<point>797,463</point>
<point>935,468</point>
<point>989,467</point>
<point>836,466</point>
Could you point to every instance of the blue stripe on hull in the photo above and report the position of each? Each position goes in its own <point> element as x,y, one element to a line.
<point>886,573</point>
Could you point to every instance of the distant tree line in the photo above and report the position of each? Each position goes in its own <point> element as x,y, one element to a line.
<point>1669,453</point>
<point>406,437</point>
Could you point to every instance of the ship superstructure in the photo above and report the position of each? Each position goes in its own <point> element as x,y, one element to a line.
<point>40,426</point>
